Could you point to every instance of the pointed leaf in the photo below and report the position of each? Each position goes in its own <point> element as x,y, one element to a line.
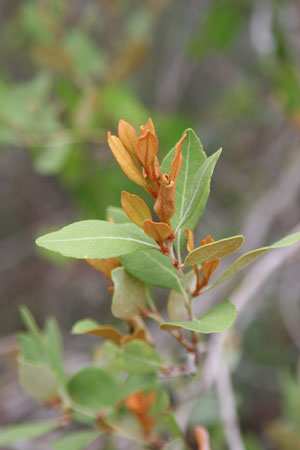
<point>127,135</point>
<point>78,440</point>
<point>129,296</point>
<point>89,326</point>
<point>214,250</point>
<point>193,157</point>
<point>217,319</point>
<point>153,268</point>
<point>126,161</point>
<point>26,431</point>
<point>135,208</point>
<point>96,239</point>
<point>146,150</point>
<point>248,257</point>
<point>198,189</point>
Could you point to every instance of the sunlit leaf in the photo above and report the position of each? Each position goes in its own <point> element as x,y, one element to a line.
<point>96,239</point>
<point>193,157</point>
<point>219,318</point>
<point>198,189</point>
<point>214,250</point>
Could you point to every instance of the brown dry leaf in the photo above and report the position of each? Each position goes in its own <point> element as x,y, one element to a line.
<point>96,263</point>
<point>107,332</point>
<point>126,161</point>
<point>127,134</point>
<point>138,334</point>
<point>148,127</point>
<point>159,231</point>
<point>190,239</point>
<point>146,151</point>
<point>109,265</point>
<point>177,161</point>
<point>202,438</point>
<point>135,208</point>
<point>164,206</point>
<point>139,404</point>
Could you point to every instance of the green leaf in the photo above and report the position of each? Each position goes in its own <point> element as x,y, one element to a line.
<point>129,297</point>
<point>198,189</point>
<point>214,250</point>
<point>137,358</point>
<point>193,158</point>
<point>96,239</point>
<point>172,426</point>
<point>77,440</point>
<point>248,257</point>
<point>93,388</point>
<point>26,431</point>
<point>38,381</point>
<point>153,268</point>
<point>217,319</point>
<point>117,214</point>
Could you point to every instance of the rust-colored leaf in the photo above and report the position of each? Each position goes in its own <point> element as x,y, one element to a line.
<point>148,127</point>
<point>109,265</point>
<point>107,332</point>
<point>146,151</point>
<point>164,206</point>
<point>207,240</point>
<point>202,438</point>
<point>159,231</point>
<point>135,208</point>
<point>139,404</point>
<point>190,239</point>
<point>126,161</point>
<point>208,269</point>
<point>96,263</point>
<point>138,334</point>
<point>127,134</point>
<point>177,161</point>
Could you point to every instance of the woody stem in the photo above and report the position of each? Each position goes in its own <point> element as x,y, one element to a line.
<point>186,297</point>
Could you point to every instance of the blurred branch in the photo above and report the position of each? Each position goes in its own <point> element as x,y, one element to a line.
<point>251,285</point>
<point>228,408</point>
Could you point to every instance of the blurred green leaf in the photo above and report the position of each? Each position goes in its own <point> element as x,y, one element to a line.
<point>75,441</point>
<point>38,381</point>
<point>94,388</point>
<point>26,431</point>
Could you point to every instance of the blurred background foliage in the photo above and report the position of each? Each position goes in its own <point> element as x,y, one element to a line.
<point>227,68</point>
